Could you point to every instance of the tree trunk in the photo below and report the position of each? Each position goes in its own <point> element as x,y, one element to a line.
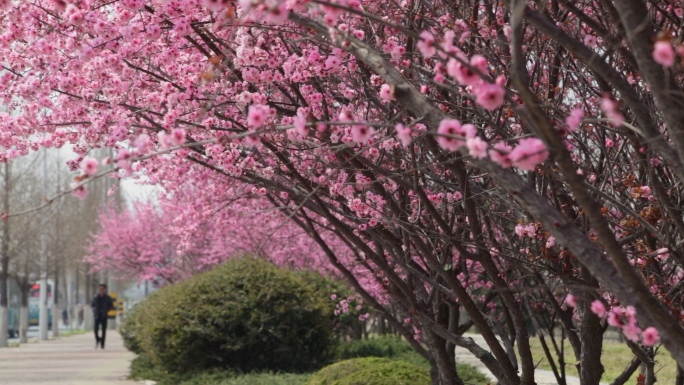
<point>23,312</point>
<point>56,314</point>
<point>4,264</point>
<point>591,337</point>
<point>443,371</point>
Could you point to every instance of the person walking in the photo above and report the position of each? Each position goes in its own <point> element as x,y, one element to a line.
<point>102,303</point>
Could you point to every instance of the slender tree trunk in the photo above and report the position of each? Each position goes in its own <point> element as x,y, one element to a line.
<point>24,312</point>
<point>4,264</point>
<point>56,314</point>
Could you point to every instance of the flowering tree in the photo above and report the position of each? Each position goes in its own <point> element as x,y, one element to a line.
<point>191,230</point>
<point>530,148</point>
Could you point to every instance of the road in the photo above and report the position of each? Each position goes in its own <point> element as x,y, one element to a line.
<point>69,360</point>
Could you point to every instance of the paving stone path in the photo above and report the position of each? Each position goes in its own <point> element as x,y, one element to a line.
<point>69,360</point>
<point>542,377</point>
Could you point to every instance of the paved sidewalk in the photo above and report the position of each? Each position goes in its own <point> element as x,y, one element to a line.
<point>542,377</point>
<point>69,360</point>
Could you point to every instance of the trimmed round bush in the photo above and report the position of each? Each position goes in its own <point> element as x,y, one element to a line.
<point>371,371</point>
<point>245,315</point>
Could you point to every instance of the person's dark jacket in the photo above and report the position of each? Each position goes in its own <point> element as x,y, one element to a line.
<point>101,305</point>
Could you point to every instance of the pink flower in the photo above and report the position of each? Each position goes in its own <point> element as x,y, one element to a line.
<point>631,332</point>
<point>462,73</point>
<point>590,40</point>
<point>612,110</point>
<point>551,242</point>
<point>614,317</point>
<point>333,297</point>
<point>277,14</point>
<point>403,135</point>
<point>528,154</point>
<point>477,148</point>
<point>426,44</point>
<point>500,154</point>
<point>386,92</point>
<point>75,15</point>
<point>571,300</point>
<point>448,128</point>
<point>663,53</point>
<point>332,62</point>
<point>164,139</point>
<point>143,143</point>
<point>574,119</point>
<point>489,96</point>
<point>216,5</point>
<point>650,336</point>
<point>300,126</point>
<point>520,230</point>
<point>89,166</point>
<point>361,134</point>
<point>598,308</point>
<point>178,137</point>
<point>663,254</point>
<point>256,115</point>
<point>79,191</point>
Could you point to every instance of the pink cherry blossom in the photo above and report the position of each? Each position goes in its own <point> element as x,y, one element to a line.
<point>598,308</point>
<point>79,191</point>
<point>477,147</point>
<point>574,119</point>
<point>663,53</point>
<point>571,300</point>
<point>448,128</point>
<point>529,153</point>
<point>257,115</point>
<point>631,332</point>
<point>551,242</point>
<point>178,137</point>
<point>361,134</point>
<point>650,336</point>
<point>216,5</point>
<point>500,153</point>
<point>89,166</point>
<point>386,92</point>
<point>489,96</point>
<point>612,110</point>
<point>426,44</point>
<point>590,41</point>
<point>404,134</point>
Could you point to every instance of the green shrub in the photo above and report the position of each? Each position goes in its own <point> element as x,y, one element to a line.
<point>399,349</point>
<point>371,371</point>
<point>245,315</point>
<point>143,368</point>
<point>128,330</point>
<point>225,378</point>
<point>383,346</point>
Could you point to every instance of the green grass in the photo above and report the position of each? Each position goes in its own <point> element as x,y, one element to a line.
<point>73,332</point>
<point>615,358</point>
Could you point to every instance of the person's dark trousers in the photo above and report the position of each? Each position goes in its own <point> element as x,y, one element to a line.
<point>100,339</point>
